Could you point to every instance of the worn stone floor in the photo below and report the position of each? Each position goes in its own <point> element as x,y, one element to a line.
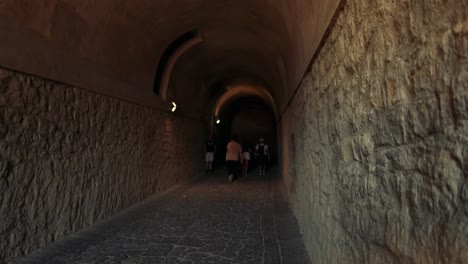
<point>210,221</point>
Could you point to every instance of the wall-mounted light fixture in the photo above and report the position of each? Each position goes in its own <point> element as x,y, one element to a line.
<point>218,121</point>
<point>174,107</point>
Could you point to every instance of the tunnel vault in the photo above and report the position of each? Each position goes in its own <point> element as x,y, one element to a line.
<point>373,135</point>
<point>114,47</point>
<point>234,92</point>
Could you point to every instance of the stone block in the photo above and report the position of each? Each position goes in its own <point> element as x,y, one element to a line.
<point>70,157</point>
<point>390,187</point>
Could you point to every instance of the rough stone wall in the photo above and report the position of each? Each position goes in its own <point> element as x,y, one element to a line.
<point>69,157</point>
<point>380,125</point>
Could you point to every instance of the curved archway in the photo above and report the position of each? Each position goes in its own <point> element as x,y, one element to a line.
<point>169,58</point>
<point>236,91</point>
<point>248,109</point>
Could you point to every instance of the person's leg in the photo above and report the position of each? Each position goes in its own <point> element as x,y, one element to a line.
<point>206,162</point>
<point>262,166</point>
<point>237,170</point>
<point>259,165</point>
<point>210,162</point>
<point>229,165</point>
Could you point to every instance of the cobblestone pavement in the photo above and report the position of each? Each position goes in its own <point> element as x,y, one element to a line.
<point>211,221</point>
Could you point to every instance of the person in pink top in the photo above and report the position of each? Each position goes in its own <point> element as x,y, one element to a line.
<point>234,158</point>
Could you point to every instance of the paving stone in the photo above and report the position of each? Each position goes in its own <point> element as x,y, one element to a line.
<point>213,222</point>
<point>151,260</point>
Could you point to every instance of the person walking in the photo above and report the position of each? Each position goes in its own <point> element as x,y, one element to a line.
<point>210,149</point>
<point>262,154</point>
<point>234,158</point>
<point>246,155</point>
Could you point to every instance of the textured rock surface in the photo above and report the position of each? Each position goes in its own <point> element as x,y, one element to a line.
<point>211,222</point>
<point>69,157</point>
<point>378,170</point>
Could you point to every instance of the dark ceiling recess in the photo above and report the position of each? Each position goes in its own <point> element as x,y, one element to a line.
<point>166,56</point>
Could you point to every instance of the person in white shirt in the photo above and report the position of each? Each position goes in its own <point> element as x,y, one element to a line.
<point>246,155</point>
<point>210,149</point>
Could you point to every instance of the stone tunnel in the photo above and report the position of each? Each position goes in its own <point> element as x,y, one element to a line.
<point>364,105</point>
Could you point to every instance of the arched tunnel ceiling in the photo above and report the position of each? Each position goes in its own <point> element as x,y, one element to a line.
<point>221,68</point>
<point>235,92</point>
<point>113,46</point>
